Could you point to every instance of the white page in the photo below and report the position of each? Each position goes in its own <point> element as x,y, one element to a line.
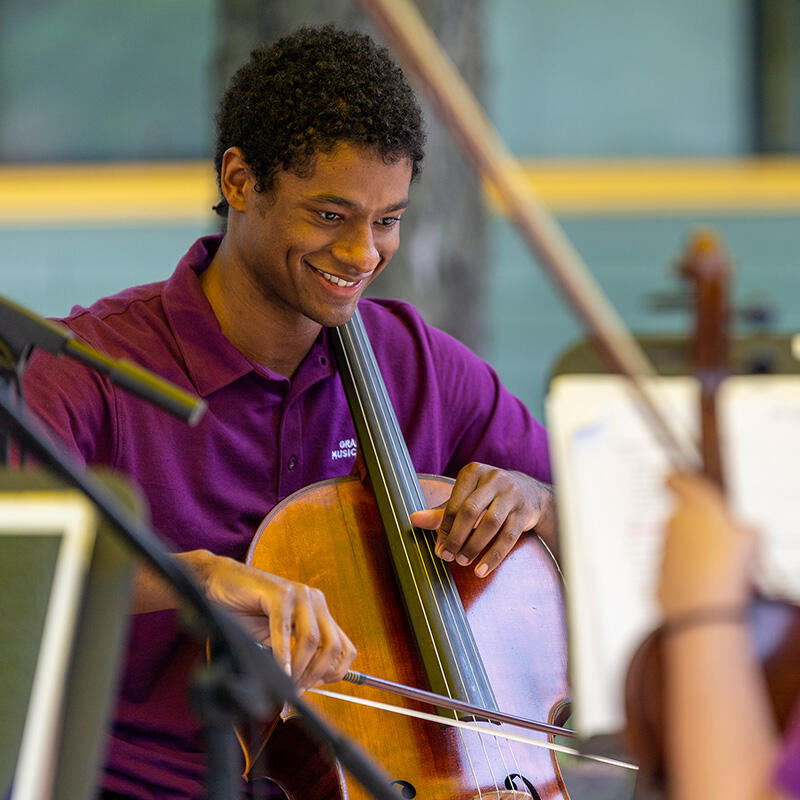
<point>609,475</point>
<point>760,420</point>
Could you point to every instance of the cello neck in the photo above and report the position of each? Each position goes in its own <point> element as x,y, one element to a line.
<point>383,447</point>
<point>707,267</point>
<point>447,647</point>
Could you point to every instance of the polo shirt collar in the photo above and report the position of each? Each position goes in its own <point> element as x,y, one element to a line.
<point>211,360</point>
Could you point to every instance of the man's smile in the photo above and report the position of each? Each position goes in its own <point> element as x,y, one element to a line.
<point>335,279</point>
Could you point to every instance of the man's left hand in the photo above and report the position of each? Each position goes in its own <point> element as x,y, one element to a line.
<point>488,510</point>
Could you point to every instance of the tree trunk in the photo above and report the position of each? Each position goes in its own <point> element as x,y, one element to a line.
<point>442,260</point>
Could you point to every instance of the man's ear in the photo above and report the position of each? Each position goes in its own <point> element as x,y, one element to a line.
<point>235,178</point>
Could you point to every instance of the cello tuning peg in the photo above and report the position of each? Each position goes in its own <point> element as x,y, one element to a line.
<point>704,254</point>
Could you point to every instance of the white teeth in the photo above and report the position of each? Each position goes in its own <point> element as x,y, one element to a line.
<point>336,280</point>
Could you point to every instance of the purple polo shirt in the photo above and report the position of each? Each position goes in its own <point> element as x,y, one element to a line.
<point>263,437</point>
<point>787,771</point>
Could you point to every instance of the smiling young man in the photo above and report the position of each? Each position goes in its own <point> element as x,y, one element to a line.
<point>300,256</point>
<point>319,140</point>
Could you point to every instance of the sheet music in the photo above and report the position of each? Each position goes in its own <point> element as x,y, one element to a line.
<point>760,417</point>
<point>610,480</point>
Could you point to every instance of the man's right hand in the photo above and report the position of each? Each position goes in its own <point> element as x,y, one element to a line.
<point>291,618</point>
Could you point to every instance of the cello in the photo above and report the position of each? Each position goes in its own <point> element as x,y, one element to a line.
<point>774,625</point>
<point>414,622</point>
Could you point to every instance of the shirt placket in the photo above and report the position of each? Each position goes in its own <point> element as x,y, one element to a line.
<point>290,448</point>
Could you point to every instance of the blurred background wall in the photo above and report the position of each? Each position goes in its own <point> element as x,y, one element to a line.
<point>634,120</point>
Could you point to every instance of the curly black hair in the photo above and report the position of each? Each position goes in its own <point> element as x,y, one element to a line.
<point>311,90</point>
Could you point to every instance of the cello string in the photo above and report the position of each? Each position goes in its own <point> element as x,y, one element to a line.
<point>412,488</point>
<point>410,483</point>
<point>371,374</point>
<point>433,699</point>
<point>366,362</point>
<point>391,427</point>
<point>443,575</point>
<point>348,333</point>
<point>359,361</point>
<point>440,569</point>
<point>406,479</point>
<point>360,352</point>
<point>500,733</point>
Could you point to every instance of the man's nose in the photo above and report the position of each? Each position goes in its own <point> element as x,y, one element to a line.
<point>356,249</point>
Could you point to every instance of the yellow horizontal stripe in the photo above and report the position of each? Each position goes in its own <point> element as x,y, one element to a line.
<point>106,193</point>
<point>650,187</point>
<point>185,191</point>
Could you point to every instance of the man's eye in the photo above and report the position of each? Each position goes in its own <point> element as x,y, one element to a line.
<point>388,222</point>
<point>329,216</point>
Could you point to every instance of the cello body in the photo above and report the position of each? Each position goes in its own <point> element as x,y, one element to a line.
<point>330,536</point>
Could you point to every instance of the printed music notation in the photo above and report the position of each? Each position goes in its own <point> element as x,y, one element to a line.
<point>610,480</point>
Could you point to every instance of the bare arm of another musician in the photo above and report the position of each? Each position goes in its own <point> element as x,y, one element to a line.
<point>721,738</point>
<point>290,617</point>
<point>490,508</point>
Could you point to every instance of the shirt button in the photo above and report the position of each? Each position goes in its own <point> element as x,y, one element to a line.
<point>292,463</point>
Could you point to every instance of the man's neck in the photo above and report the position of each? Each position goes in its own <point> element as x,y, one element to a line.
<point>256,329</point>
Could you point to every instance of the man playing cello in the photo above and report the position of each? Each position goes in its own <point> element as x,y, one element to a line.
<point>319,140</point>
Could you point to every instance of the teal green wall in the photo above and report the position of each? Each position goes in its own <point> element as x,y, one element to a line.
<point>575,79</point>
<point>89,80</point>
<point>51,269</point>
<point>631,257</point>
<point>621,77</point>
<point>93,80</point>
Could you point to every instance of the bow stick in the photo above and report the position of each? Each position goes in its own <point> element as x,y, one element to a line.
<point>434,699</point>
<point>412,40</point>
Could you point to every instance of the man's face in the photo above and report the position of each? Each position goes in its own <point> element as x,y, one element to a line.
<point>313,244</point>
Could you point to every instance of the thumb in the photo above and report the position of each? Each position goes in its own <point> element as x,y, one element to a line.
<point>429,518</point>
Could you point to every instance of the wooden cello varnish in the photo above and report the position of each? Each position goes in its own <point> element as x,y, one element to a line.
<point>503,644</point>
